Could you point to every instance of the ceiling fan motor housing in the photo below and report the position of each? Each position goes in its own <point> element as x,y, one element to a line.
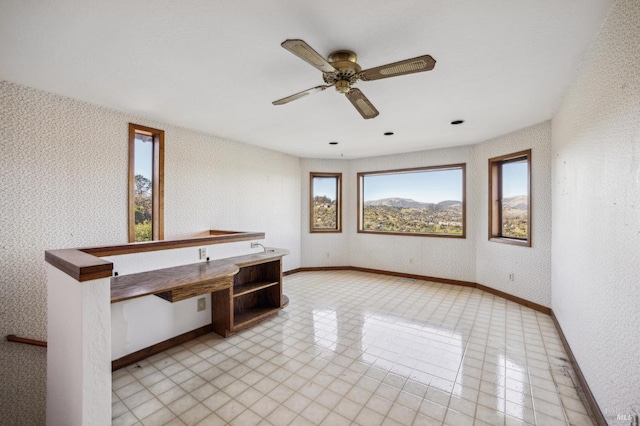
<point>347,70</point>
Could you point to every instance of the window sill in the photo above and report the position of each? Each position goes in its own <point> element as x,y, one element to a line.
<point>511,241</point>
<point>412,234</point>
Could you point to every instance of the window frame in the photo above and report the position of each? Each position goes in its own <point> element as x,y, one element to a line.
<point>338,177</point>
<point>158,181</point>
<point>461,166</point>
<point>495,198</point>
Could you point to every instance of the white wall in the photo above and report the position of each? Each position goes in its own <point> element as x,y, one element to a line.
<point>596,213</point>
<point>78,362</point>
<point>494,262</point>
<point>451,258</point>
<point>63,180</point>
<point>326,249</point>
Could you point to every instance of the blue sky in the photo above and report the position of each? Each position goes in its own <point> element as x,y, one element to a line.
<point>324,186</point>
<point>514,179</point>
<point>427,186</point>
<point>143,158</point>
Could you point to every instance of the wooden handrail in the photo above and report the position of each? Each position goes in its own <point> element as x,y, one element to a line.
<point>85,264</point>
<point>14,338</point>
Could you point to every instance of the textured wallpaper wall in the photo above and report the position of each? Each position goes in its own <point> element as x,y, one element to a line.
<point>472,259</point>
<point>438,257</point>
<point>494,262</point>
<point>330,249</point>
<point>596,213</point>
<point>63,183</point>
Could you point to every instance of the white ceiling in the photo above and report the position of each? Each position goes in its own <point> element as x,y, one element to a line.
<point>216,66</point>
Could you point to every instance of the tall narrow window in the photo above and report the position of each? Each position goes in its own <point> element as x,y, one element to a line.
<point>326,202</point>
<point>510,198</point>
<point>424,201</point>
<point>146,188</point>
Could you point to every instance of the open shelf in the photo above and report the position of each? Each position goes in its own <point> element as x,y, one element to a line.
<point>246,288</point>
<point>249,316</point>
<point>256,293</point>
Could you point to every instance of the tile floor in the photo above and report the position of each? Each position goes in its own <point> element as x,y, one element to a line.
<point>363,349</point>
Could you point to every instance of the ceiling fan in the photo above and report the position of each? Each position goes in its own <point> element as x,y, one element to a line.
<point>342,71</point>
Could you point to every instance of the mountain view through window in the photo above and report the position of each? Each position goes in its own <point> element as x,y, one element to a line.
<point>418,201</point>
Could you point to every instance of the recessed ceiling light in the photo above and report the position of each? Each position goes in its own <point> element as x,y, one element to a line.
<point>388,133</point>
<point>456,122</point>
<point>333,143</point>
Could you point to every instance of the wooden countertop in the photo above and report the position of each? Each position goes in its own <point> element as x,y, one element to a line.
<point>130,286</point>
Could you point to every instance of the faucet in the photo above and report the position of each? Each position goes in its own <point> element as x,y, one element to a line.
<point>254,245</point>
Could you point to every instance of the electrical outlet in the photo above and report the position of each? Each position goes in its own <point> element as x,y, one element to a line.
<point>255,245</point>
<point>411,260</point>
<point>511,277</point>
<point>203,253</point>
<point>202,304</point>
<point>327,255</point>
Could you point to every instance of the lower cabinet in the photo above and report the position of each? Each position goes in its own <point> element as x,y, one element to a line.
<point>256,294</point>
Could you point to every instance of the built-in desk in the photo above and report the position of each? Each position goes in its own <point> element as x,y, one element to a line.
<point>175,284</point>
<point>244,289</point>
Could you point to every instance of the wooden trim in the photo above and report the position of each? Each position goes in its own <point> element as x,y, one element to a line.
<point>158,185</point>
<point>251,259</point>
<point>510,241</point>
<point>131,179</point>
<point>586,394</point>
<point>360,200</point>
<point>79,265</point>
<point>159,347</point>
<point>413,276</point>
<point>415,169</point>
<point>216,238</point>
<point>338,177</point>
<point>414,234</point>
<point>524,302</point>
<point>16,339</point>
<point>84,264</point>
<point>291,272</point>
<point>320,268</point>
<point>495,198</point>
<point>464,200</point>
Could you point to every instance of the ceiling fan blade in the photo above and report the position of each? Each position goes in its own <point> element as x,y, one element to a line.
<point>300,95</point>
<point>305,52</point>
<point>362,104</point>
<point>408,66</point>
